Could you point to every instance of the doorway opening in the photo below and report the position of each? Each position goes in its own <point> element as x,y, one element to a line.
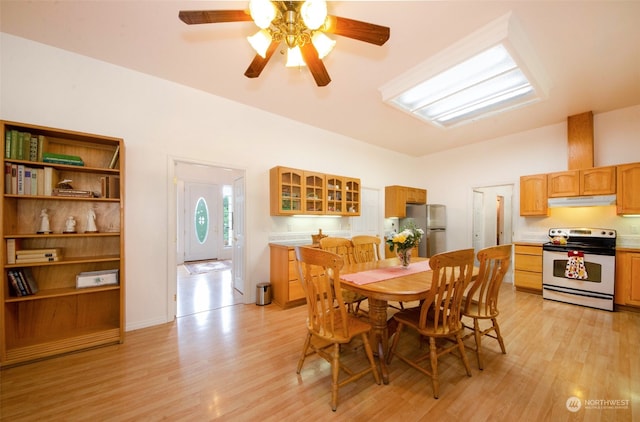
<point>492,216</point>
<point>206,239</point>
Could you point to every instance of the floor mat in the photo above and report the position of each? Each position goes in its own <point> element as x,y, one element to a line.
<point>200,267</point>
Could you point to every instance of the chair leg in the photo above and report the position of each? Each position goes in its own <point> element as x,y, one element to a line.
<point>335,372</point>
<point>307,342</point>
<point>394,344</point>
<point>372,362</point>
<point>433,354</point>
<point>463,354</point>
<point>496,327</point>
<point>478,337</point>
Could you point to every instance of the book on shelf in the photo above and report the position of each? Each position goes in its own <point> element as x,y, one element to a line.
<point>51,177</point>
<point>114,159</point>
<point>78,193</point>
<point>14,144</point>
<point>42,143</point>
<point>40,183</point>
<point>55,158</point>
<point>22,281</point>
<point>12,246</point>
<point>14,179</point>
<point>110,186</point>
<point>36,259</point>
<point>27,181</point>
<point>34,181</point>
<point>32,253</point>
<point>7,177</point>
<point>20,179</point>
<point>33,148</point>
<point>7,144</point>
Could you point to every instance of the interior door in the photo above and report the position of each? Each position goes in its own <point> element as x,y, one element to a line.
<point>200,207</point>
<point>238,234</point>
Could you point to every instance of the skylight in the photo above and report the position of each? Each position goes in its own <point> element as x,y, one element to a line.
<point>488,72</point>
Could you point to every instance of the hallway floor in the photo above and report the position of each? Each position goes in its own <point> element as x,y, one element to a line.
<point>206,291</point>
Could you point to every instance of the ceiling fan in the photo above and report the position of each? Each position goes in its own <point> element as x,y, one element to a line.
<point>302,25</point>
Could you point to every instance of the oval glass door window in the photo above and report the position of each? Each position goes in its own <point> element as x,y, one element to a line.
<point>201,220</point>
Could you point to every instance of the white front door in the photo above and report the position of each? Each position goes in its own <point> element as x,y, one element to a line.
<point>200,221</point>
<point>238,234</point>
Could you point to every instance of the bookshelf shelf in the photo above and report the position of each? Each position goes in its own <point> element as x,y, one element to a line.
<point>56,317</point>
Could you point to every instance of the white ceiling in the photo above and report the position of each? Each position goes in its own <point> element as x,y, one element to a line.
<point>589,49</point>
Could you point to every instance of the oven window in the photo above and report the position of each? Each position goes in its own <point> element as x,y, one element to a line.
<point>594,270</point>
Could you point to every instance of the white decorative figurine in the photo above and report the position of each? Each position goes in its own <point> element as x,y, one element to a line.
<point>45,227</point>
<point>70,225</point>
<point>91,222</point>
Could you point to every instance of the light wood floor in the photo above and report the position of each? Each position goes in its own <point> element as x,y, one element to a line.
<point>205,291</point>
<point>238,363</point>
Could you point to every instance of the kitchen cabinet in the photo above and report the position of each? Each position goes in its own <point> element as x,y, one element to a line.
<point>628,187</point>
<point>301,192</point>
<point>286,288</point>
<point>286,189</point>
<point>533,195</point>
<point>528,266</point>
<point>314,193</point>
<point>627,288</point>
<point>62,316</point>
<point>396,199</point>
<point>592,181</point>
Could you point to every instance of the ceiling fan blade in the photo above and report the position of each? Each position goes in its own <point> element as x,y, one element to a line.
<point>315,65</point>
<point>193,17</point>
<point>258,63</point>
<point>361,31</point>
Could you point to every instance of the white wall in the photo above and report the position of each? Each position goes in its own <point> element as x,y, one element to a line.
<point>160,119</point>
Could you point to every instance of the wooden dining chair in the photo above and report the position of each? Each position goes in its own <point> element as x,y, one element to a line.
<point>366,248</point>
<point>330,325</point>
<point>344,247</point>
<point>481,302</point>
<point>438,317</point>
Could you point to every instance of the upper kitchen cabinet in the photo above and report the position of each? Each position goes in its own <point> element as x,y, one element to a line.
<point>592,181</point>
<point>628,196</point>
<point>286,186</point>
<point>352,196</point>
<point>301,192</point>
<point>396,199</point>
<point>314,193</point>
<point>533,195</point>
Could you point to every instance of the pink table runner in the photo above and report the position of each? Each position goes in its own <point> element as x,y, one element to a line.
<point>380,274</point>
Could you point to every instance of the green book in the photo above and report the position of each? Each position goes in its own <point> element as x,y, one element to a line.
<point>7,144</point>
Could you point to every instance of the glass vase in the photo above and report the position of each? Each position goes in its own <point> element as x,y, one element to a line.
<point>404,255</point>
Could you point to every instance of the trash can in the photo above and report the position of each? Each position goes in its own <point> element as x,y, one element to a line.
<point>263,294</point>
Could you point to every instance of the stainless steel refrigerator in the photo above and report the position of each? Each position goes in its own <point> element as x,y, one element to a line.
<point>432,218</point>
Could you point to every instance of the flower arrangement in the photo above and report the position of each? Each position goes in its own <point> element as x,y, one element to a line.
<point>408,238</point>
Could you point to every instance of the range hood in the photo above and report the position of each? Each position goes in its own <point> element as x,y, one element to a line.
<point>583,201</point>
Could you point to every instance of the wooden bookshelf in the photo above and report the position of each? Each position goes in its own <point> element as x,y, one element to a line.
<point>59,317</point>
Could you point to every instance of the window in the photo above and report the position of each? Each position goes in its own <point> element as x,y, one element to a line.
<point>227,216</point>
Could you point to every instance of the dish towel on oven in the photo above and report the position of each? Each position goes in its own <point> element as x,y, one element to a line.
<point>575,266</point>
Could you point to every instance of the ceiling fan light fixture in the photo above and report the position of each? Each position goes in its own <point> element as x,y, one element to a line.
<point>263,12</point>
<point>314,13</point>
<point>260,42</point>
<point>294,57</point>
<point>322,43</point>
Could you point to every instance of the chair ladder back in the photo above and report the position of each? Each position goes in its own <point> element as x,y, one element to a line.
<point>452,272</point>
<point>320,276</point>
<point>483,293</point>
<point>366,248</point>
<point>340,246</point>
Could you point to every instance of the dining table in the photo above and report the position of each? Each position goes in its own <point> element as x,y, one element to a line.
<point>383,281</point>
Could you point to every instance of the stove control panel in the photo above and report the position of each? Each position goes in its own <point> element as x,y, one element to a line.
<point>582,232</point>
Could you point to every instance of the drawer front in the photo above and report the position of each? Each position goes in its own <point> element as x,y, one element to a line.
<point>293,270</point>
<point>295,290</point>
<point>528,280</point>
<point>292,255</point>
<point>528,250</point>
<point>528,263</point>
